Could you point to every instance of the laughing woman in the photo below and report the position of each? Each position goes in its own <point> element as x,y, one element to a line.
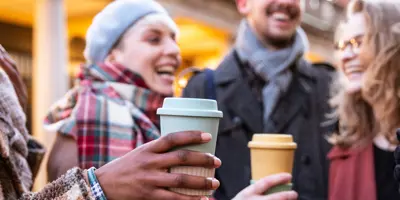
<point>131,55</point>
<point>367,103</point>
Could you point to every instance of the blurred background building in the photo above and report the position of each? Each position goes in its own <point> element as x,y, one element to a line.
<point>46,38</point>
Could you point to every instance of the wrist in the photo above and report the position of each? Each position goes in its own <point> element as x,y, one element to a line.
<point>101,175</point>
<point>96,188</point>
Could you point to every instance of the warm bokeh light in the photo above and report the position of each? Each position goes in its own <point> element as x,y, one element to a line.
<point>182,82</point>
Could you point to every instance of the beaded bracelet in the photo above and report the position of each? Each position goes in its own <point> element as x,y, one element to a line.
<point>95,185</point>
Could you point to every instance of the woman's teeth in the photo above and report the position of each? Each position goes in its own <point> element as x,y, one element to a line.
<point>353,70</point>
<point>168,70</point>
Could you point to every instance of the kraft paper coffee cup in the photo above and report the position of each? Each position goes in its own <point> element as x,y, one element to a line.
<point>187,114</point>
<point>271,154</point>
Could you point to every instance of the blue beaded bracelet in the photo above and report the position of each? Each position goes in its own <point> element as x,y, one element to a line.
<point>95,185</point>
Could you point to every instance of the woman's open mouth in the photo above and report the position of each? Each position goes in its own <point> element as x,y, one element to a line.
<point>167,73</point>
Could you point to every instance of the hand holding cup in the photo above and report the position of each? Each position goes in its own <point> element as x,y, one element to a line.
<point>257,191</point>
<point>185,114</point>
<point>143,173</point>
<point>272,154</point>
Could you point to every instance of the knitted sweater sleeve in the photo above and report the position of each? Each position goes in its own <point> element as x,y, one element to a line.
<point>70,186</point>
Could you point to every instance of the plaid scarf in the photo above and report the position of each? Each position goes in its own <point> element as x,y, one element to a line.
<point>109,113</point>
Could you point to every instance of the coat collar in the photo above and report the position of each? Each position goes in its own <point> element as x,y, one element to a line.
<point>239,98</point>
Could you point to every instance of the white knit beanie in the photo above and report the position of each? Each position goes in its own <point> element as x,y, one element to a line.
<point>112,22</point>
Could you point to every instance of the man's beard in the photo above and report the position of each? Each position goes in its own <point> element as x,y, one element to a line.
<point>279,42</point>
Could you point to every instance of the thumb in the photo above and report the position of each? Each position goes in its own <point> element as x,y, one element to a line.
<point>261,186</point>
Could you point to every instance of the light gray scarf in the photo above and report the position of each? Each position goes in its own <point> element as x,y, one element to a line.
<point>272,66</point>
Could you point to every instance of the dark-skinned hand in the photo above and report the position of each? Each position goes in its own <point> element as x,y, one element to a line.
<point>143,174</point>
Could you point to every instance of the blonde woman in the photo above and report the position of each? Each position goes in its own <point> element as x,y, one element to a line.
<point>367,102</point>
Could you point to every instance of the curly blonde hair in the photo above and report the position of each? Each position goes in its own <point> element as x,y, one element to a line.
<point>376,108</point>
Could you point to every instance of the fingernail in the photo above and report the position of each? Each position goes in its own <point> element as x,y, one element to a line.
<point>204,198</point>
<point>214,183</point>
<point>217,162</point>
<point>293,195</point>
<point>206,137</point>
